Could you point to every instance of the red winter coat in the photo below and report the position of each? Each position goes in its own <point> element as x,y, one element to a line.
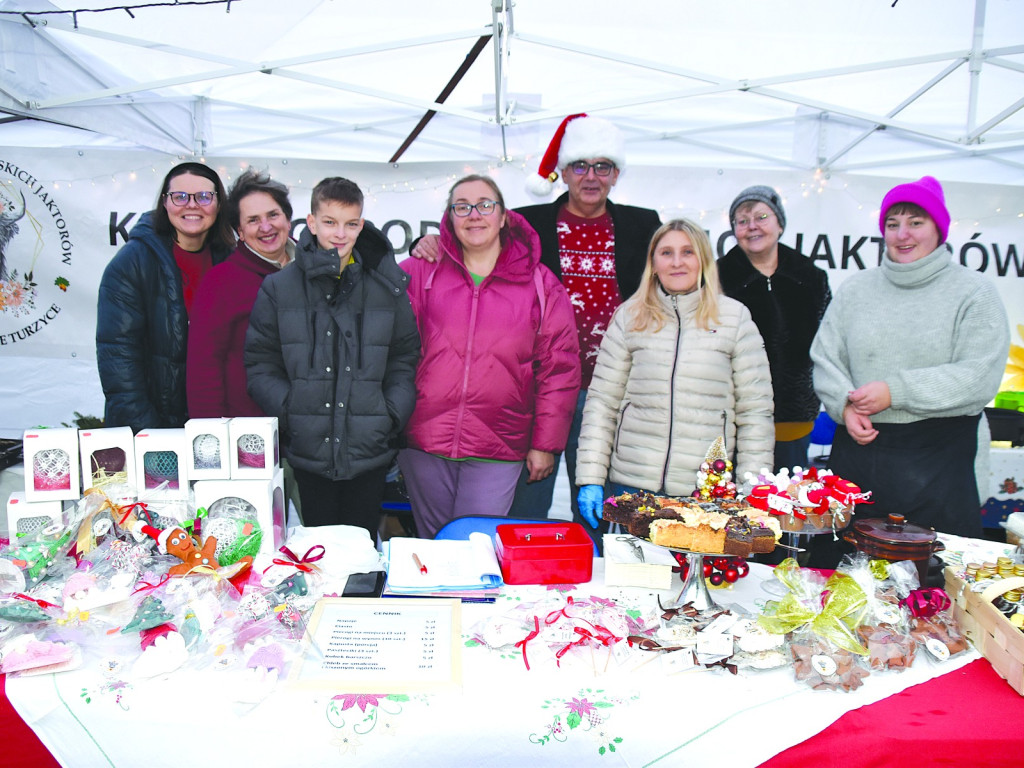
<point>216,383</point>
<point>495,378</point>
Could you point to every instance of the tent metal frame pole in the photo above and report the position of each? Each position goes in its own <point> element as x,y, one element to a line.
<point>235,68</point>
<point>895,111</point>
<point>501,20</point>
<point>975,61</point>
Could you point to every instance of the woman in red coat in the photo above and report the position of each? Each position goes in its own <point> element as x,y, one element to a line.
<point>497,380</point>
<point>259,210</point>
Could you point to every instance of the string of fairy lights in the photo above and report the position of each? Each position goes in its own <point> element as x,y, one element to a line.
<point>35,18</point>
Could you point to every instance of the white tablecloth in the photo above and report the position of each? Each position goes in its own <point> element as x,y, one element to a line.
<point>504,715</point>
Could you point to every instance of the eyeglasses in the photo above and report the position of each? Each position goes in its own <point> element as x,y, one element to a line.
<point>580,168</point>
<point>181,199</point>
<point>744,223</point>
<point>484,208</point>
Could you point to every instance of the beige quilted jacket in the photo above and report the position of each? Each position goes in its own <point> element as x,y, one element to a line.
<point>657,399</point>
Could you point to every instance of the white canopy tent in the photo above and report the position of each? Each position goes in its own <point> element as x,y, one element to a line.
<point>830,102</point>
<point>875,87</point>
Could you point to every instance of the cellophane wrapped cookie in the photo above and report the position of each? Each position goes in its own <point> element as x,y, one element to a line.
<point>823,620</point>
<point>756,647</point>
<point>35,557</point>
<point>824,666</point>
<point>29,653</point>
<point>885,631</point>
<point>933,624</point>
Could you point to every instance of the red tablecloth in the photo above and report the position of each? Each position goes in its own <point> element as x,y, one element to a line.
<point>21,747</point>
<point>967,717</point>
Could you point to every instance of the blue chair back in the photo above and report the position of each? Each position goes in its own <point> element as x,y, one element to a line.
<point>824,430</point>
<point>461,527</point>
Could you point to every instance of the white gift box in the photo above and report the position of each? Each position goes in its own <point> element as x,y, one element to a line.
<point>263,498</point>
<point>30,517</point>
<point>254,448</point>
<point>51,464</point>
<point>208,449</point>
<point>161,456</point>
<point>106,453</point>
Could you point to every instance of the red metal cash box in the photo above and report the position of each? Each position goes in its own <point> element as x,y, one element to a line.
<point>544,553</point>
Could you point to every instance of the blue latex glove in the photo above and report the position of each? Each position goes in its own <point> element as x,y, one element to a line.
<point>591,501</point>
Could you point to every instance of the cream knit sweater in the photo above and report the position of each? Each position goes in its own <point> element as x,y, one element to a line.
<point>935,332</point>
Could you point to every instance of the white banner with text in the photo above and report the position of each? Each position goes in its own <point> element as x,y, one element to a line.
<point>64,214</point>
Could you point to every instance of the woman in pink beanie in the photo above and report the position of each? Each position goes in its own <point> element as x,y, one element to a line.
<point>907,357</point>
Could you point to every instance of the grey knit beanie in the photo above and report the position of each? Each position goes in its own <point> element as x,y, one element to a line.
<point>759,194</point>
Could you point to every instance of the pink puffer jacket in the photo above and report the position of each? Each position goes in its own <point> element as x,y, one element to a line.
<point>499,371</point>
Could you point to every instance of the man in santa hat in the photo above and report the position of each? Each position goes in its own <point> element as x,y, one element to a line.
<point>598,250</point>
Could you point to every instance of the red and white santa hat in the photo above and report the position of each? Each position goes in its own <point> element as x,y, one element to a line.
<point>579,137</point>
<point>140,530</point>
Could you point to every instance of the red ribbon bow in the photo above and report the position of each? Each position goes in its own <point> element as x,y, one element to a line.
<point>528,638</point>
<point>37,601</point>
<point>145,586</point>
<point>924,603</point>
<point>304,563</point>
<point>129,508</point>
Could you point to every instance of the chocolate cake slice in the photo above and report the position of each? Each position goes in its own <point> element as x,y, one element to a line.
<point>623,508</point>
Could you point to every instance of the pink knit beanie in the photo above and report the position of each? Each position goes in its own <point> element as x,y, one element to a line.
<point>926,192</point>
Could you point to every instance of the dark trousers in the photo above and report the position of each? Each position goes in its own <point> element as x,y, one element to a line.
<point>342,502</point>
<point>792,453</point>
<point>923,470</point>
<point>534,499</point>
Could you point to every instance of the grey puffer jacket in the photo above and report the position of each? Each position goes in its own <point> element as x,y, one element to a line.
<point>657,400</point>
<point>334,358</point>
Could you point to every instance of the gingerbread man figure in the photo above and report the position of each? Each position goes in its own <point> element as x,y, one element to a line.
<point>175,541</point>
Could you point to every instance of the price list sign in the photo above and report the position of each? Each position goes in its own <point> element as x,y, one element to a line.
<point>388,646</point>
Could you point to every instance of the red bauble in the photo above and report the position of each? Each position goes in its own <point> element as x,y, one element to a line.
<point>742,568</point>
<point>721,563</point>
<point>716,578</point>
<point>731,575</point>
<point>719,466</point>
<point>708,568</point>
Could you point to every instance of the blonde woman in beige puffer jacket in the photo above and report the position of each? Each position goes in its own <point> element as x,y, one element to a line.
<point>679,366</point>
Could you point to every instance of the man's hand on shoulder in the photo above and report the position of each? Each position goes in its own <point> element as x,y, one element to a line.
<point>426,248</point>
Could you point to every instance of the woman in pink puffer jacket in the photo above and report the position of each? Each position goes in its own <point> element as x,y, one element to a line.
<point>499,371</point>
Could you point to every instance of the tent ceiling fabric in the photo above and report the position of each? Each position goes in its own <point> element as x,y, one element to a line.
<point>871,87</point>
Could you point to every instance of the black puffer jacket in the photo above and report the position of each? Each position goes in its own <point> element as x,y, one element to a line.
<point>335,358</point>
<point>142,333</point>
<point>787,309</point>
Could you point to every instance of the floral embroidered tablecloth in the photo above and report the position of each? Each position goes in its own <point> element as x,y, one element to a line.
<point>588,710</point>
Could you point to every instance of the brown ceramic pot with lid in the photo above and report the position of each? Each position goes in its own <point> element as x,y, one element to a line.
<point>894,539</point>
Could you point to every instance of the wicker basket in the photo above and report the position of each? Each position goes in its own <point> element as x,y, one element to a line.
<point>989,630</point>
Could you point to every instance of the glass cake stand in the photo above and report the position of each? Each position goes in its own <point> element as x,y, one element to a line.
<point>695,587</point>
